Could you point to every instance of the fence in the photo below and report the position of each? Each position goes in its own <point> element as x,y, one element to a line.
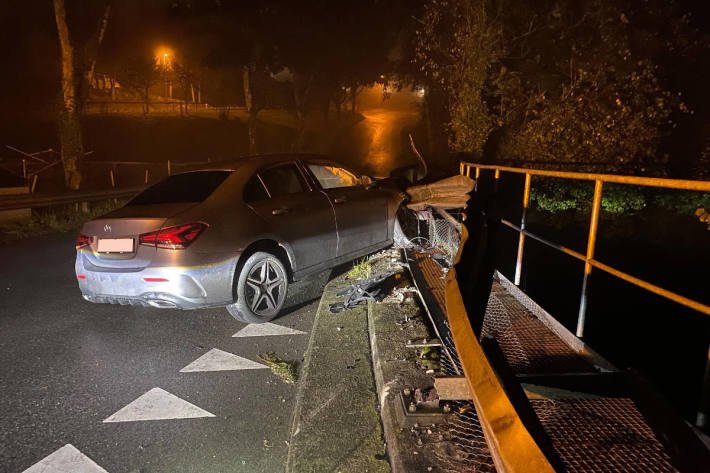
<point>588,258</point>
<point>24,201</point>
<point>158,107</point>
<point>30,166</point>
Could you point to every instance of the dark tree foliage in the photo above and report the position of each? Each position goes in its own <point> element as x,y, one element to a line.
<point>577,84</point>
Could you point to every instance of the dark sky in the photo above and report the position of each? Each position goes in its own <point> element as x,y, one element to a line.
<point>30,51</point>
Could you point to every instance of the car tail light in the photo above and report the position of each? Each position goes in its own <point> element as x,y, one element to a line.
<point>173,238</point>
<point>83,240</point>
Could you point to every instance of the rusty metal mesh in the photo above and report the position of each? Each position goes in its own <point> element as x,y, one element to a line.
<point>590,434</point>
<point>602,434</point>
<point>444,236</point>
<point>465,448</point>
<point>530,347</point>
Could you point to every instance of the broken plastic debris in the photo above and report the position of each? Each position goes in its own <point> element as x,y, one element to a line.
<point>374,288</point>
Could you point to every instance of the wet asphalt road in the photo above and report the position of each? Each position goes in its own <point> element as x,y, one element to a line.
<point>378,144</point>
<point>66,365</point>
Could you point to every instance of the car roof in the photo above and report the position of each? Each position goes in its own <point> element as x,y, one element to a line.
<point>258,161</point>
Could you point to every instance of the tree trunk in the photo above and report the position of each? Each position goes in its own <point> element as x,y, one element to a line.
<point>253,143</point>
<point>247,88</point>
<point>251,110</point>
<point>301,90</point>
<point>146,100</point>
<point>69,125</point>
<point>99,39</point>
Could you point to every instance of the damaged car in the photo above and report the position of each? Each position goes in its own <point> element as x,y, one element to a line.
<point>234,234</point>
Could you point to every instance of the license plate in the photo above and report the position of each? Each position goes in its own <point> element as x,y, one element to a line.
<point>115,245</point>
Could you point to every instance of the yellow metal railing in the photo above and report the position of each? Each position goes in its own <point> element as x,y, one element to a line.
<point>588,258</point>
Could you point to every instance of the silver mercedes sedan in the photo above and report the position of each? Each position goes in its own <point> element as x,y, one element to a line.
<point>234,234</point>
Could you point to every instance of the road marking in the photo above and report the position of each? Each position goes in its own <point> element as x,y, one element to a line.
<point>158,404</point>
<point>218,360</point>
<point>66,460</point>
<point>265,330</point>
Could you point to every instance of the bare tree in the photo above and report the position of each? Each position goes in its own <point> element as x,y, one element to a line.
<point>96,44</point>
<point>70,135</point>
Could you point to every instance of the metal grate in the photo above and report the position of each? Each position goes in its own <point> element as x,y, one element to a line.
<point>434,275</point>
<point>465,449</point>
<point>603,434</point>
<point>590,434</point>
<point>530,347</point>
<point>444,236</point>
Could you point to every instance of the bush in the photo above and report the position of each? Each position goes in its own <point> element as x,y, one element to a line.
<point>554,196</point>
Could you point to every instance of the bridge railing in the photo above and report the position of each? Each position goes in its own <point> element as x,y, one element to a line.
<point>467,168</point>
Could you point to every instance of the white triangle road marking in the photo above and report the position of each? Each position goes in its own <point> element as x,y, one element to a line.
<point>158,404</point>
<point>265,330</point>
<point>218,360</point>
<point>66,460</point>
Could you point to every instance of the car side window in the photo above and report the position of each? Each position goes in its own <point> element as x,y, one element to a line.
<point>255,190</point>
<point>283,180</point>
<point>332,177</point>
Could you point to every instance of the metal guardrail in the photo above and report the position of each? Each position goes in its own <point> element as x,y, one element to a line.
<point>588,258</point>
<point>24,201</point>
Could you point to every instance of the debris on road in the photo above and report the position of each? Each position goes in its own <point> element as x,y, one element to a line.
<point>286,370</point>
<point>374,288</point>
<point>400,294</point>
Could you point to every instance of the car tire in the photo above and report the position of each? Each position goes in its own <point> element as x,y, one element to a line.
<point>261,289</point>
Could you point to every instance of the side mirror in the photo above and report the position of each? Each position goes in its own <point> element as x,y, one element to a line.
<point>367,182</point>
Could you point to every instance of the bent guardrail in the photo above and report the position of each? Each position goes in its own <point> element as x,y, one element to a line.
<point>24,201</point>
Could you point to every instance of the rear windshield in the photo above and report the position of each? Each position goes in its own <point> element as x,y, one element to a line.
<point>189,187</point>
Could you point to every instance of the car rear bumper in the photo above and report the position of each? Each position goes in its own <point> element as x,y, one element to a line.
<point>175,287</point>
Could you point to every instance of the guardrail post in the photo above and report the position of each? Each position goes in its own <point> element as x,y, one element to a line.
<point>591,243</point>
<point>169,170</point>
<point>146,175</point>
<point>34,183</point>
<point>704,408</point>
<point>24,168</point>
<point>113,179</point>
<point>521,240</point>
<point>496,178</point>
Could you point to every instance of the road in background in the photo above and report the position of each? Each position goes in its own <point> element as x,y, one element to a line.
<point>380,142</point>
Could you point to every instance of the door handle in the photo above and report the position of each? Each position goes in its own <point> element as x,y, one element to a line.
<point>279,211</point>
<point>340,200</point>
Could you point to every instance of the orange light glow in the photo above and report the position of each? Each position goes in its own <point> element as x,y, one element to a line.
<point>164,57</point>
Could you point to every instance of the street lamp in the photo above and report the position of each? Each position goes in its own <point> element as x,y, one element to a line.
<point>165,72</point>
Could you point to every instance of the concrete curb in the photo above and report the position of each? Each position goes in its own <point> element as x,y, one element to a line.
<point>387,414</point>
<point>336,426</point>
<point>300,392</point>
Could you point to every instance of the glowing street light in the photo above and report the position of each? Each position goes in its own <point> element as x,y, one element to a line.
<point>163,58</point>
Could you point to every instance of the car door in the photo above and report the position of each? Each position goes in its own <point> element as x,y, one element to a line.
<point>299,215</point>
<point>360,212</point>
